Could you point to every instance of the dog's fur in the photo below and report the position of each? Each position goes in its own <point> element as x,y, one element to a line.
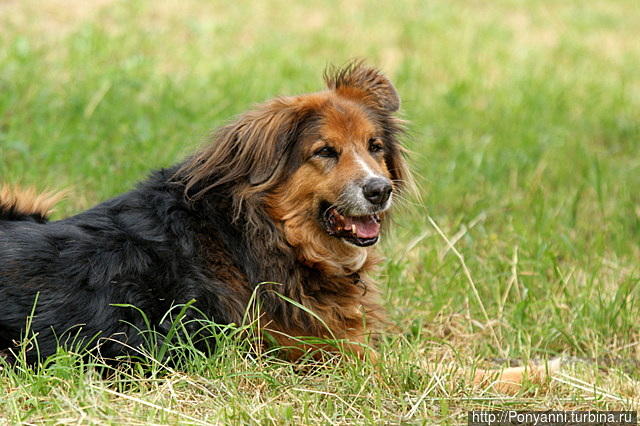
<point>247,209</point>
<point>271,208</point>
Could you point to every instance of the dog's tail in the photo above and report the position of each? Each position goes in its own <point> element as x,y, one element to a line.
<point>26,204</point>
<point>510,380</point>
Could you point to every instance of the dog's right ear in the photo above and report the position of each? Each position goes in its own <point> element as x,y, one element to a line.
<point>358,81</point>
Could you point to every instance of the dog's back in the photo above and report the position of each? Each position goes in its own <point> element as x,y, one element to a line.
<point>132,249</point>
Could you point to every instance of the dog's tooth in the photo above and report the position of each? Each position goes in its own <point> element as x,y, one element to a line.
<point>353,229</point>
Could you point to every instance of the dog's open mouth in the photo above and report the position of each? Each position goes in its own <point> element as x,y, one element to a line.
<point>359,230</point>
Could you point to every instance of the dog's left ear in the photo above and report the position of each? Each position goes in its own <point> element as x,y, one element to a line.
<point>358,81</point>
<point>249,150</point>
<point>271,135</point>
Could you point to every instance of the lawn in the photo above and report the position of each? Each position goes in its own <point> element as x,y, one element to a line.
<point>524,131</point>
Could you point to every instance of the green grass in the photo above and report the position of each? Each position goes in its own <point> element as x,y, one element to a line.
<point>525,138</point>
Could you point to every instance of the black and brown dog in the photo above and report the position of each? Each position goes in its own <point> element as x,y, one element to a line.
<point>292,192</point>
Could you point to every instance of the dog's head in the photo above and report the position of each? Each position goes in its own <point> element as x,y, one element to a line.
<point>325,167</point>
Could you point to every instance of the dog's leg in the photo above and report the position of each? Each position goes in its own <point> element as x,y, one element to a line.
<point>510,380</point>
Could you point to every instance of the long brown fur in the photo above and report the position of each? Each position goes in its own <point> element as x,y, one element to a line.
<point>28,202</point>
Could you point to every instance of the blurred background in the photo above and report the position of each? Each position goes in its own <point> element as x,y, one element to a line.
<point>524,131</point>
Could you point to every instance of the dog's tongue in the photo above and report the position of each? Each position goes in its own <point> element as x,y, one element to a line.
<point>366,226</point>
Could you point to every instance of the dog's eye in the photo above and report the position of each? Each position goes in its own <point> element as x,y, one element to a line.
<point>375,145</point>
<point>326,151</point>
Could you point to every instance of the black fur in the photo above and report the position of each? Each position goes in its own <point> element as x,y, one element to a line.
<point>143,248</point>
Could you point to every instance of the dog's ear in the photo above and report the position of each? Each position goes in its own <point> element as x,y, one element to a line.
<point>248,151</point>
<point>358,81</point>
<point>270,135</point>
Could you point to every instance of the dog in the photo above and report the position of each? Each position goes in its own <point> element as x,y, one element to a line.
<point>293,193</point>
<point>284,204</point>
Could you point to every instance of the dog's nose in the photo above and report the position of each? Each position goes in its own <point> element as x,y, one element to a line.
<point>377,190</point>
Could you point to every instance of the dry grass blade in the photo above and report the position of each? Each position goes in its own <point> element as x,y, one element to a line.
<point>151,405</point>
<point>472,285</point>
<point>576,383</point>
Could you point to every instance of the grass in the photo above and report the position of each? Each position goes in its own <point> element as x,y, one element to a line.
<point>525,139</point>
